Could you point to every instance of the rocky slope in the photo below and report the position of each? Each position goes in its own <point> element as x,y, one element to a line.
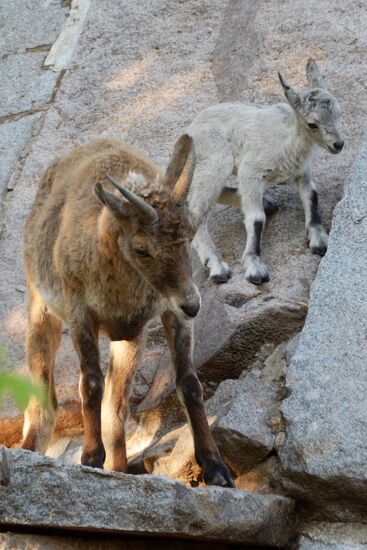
<point>145,87</point>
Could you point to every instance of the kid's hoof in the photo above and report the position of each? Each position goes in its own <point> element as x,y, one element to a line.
<point>318,240</point>
<point>218,474</point>
<point>319,249</point>
<point>255,271</point>
<point>257,278</point>
<point>220,275</point>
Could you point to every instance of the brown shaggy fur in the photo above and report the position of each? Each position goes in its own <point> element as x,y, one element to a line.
<point>94,262</point>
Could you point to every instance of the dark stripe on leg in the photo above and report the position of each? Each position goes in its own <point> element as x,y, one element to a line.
<point>315,218</point>
<point>258,227</point>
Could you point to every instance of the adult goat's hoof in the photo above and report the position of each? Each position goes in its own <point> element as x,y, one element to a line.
<point>218,474</point>
<point>94,459</point>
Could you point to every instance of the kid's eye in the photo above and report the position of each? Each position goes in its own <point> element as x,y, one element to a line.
<point>141,251</point>
<point>312,126</point>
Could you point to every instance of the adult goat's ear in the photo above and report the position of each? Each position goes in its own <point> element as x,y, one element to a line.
<point>180,170</point>
<point>291,95</point>
<point>115,205</point>
<point>313,75</point>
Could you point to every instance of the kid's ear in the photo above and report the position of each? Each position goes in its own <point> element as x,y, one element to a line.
<point>291,95</point>
<point>313,75</point>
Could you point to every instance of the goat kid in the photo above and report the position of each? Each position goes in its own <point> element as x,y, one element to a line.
<point>109,263</point>
<point>264,145</point>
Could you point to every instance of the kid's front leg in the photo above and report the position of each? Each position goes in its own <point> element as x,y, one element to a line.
<point>315,231</point>
<point>252,190</point>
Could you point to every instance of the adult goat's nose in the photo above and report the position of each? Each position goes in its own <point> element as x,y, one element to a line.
<point>338,145</point>
<point>192,310</point>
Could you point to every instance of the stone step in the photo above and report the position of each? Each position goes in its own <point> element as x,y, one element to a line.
<point>63,496</point>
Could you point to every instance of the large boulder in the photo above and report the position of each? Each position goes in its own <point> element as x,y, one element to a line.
<point>325,451</point>
<point>235,321</point>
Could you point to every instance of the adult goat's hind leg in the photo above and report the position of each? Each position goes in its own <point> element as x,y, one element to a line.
<point>179,337</point>
<point>214,166</point>
<point>124,357</point>
<point>42,340</point>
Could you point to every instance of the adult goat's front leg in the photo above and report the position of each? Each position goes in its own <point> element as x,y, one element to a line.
<point>91,384</point>
<point>179,336</point>
<point>251,190</point>
<point>124,357</point>
<point>315,231</point>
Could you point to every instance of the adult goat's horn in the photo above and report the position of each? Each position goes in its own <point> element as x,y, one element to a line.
<point>146,209</point>
<point>183,183</point>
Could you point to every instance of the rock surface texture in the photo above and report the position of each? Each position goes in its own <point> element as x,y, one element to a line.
<point>146,88</point>
<point>140,72</point>
<point>333,536</point>
<point>111,502</point>
<point>325,450</point>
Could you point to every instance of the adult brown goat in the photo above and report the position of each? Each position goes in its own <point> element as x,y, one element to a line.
<point>110,262</point>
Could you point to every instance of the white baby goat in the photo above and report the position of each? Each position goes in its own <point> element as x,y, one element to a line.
<point>264,145</point>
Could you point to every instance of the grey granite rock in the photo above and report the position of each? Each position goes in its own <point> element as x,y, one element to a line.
<point>14,136</point>
<point>25,541</point>
<point>242,432</point>
<point>111,502</point>
<point>307,544</point>
<point>333,536</point>
<point>25,85</point>
<point>325,451</point>
<point>27,25</point>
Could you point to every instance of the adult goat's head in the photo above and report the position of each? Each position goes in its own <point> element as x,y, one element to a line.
<point>155,228</point>
<point>317,109</point>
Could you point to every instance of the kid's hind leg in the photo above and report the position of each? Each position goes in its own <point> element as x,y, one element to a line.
<point>214,166</point>
<point>42,340</point>
<point>231,197</point>
<point>219,271</point>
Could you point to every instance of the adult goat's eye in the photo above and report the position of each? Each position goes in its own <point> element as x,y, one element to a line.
<point>141,251</point>
<point>312,126</point>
